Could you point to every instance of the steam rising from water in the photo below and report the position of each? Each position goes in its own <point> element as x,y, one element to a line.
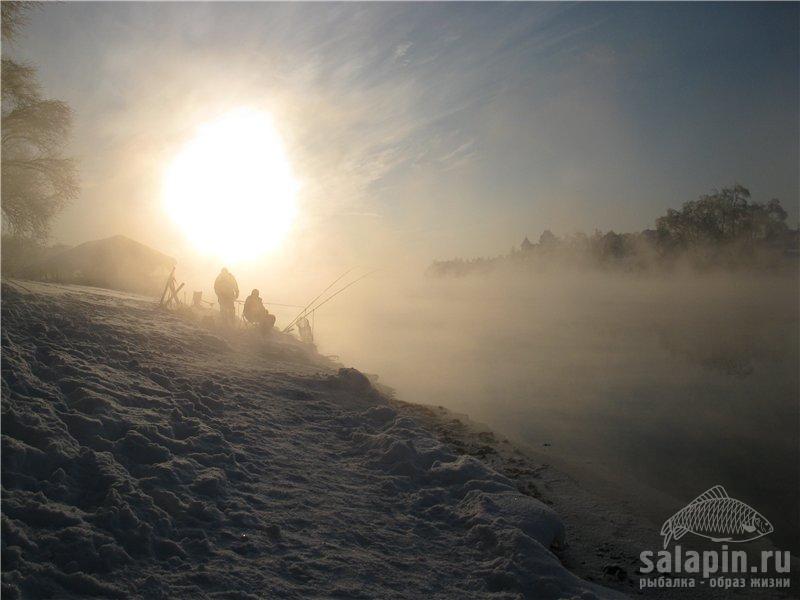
<point>669,382</point>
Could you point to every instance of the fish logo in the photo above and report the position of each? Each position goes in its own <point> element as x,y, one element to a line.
<point>718,517</point>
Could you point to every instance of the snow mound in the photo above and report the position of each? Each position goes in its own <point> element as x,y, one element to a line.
<point>512,532</point>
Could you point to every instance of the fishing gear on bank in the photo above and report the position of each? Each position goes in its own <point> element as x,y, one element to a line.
<point>254,313</point>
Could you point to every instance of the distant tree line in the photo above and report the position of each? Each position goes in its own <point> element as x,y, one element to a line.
<point>723,229</point>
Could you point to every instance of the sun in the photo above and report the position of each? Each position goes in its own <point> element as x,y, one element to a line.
<point>231,189</point>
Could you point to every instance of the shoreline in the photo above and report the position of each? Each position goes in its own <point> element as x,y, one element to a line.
<point>405,456</point>
<point>145,455</point>
<point>587,553</point>
<point>605,532</point>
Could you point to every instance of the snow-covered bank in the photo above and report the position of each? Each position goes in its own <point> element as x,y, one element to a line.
<point>146,457</point>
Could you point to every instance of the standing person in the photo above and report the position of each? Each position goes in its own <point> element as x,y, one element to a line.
<point>227,291</point>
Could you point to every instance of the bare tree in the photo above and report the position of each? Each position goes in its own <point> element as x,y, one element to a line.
<point>37,181</point>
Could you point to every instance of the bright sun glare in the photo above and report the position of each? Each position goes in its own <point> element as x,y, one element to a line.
<point>231,188</point>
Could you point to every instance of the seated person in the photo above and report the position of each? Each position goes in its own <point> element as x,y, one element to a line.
<point>254,311</point>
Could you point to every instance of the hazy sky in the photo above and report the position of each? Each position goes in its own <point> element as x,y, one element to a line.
<point>435,129</point>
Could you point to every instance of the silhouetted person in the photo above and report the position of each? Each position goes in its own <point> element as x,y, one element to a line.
<point>227,291</point>
<point>255,312</point>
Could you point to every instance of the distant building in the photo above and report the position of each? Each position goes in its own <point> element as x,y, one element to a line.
<point>117,263</point>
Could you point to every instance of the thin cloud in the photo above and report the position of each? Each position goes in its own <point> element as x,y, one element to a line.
<point>401,50</point>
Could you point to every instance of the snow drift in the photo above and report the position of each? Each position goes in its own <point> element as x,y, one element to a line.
<point>146,457</point>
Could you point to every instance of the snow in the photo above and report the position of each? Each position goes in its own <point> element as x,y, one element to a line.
<point>144,456</point>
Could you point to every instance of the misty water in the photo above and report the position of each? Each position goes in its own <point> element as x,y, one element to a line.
<point>648,387</point>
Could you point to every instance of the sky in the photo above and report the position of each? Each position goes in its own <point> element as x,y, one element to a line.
<point>423,131</point>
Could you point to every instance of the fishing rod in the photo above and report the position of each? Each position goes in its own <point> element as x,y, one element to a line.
<point>284,305</point>
<point>332,296</point>
<point>302,312</point>
<point>265,303</point>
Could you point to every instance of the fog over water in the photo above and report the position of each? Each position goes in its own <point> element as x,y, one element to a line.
<point>672,383</point>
